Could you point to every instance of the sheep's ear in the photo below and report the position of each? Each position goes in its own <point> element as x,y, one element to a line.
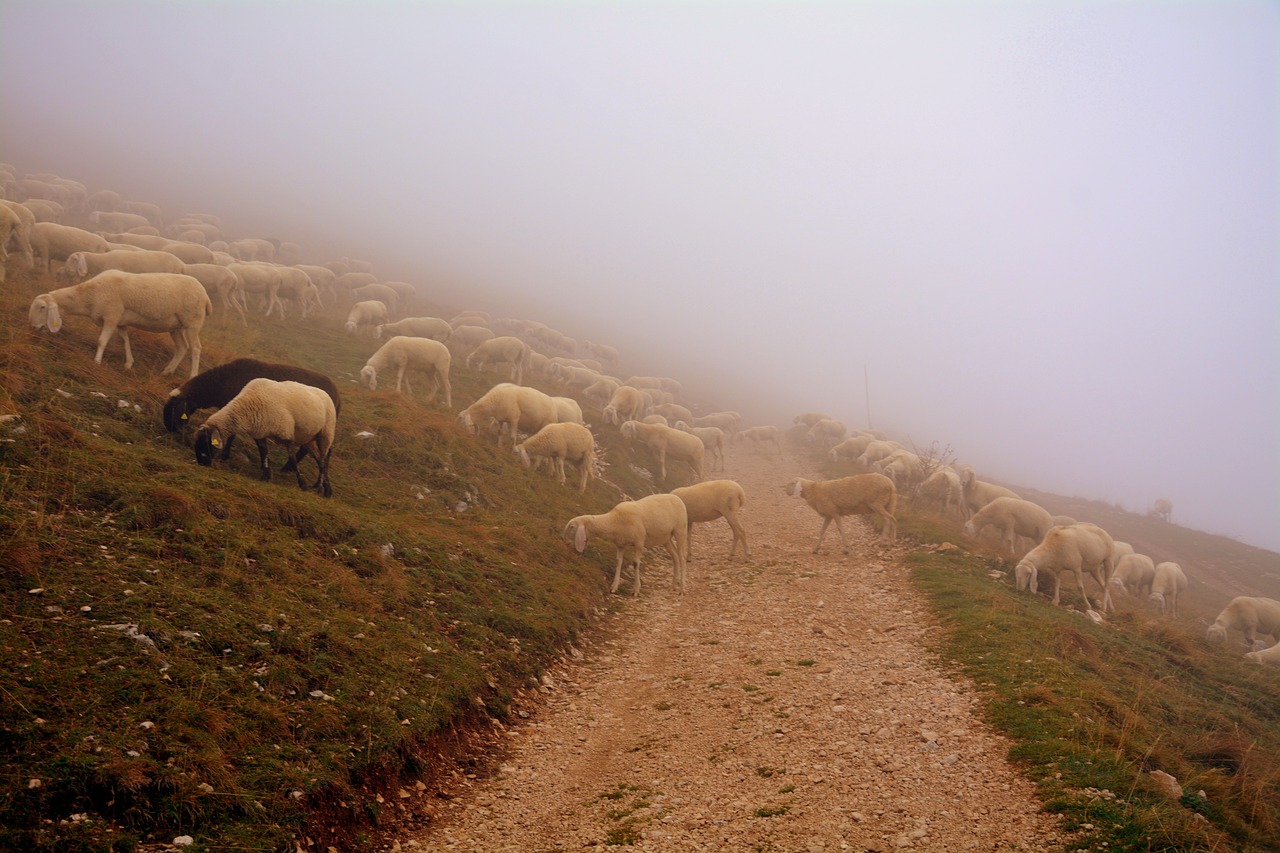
<point>53,318</point>
<point>580,537</point>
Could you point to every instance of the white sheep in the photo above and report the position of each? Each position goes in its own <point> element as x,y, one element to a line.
<point>655,419</point>
<point>221,284</point>
<point>378,292</point>
<point>600,391</point>
<point>1120,550</point>
<point>875,451</point>
<point>403,353</point>
<point>712,440</point>
<point>636,525</point>
<point>560,443</point>
<point>568,410</point>
<point>289,413</point>
<point>367,315</point>
<point>710,500</point>
<point>1252,616</point>
<point>155,302</point>
<point>82,265</point>
<point>1271,655</point>
<point>944,489</point>
<point>1079,548</point>
<point>1134,573</point>
<point>851,448</point>
<point>515,408</point>
<point>978,493</point>
<point>1168,583</point>
<point>810,418</point>
<point>903,467</point>
<point>465,338</point>
<point>827,432</point>
<point>672,412</point>
<point>861,494</point>
<point>666,441</point>
<point>726,421</point>
<point>416,327</point>
<point>16,222</point>
<point>1012,517</point>
<point>626,404</point>
<point>53,242</point>
<point>1066,519</point>
<point>503,349</point>
<point>760,436</point>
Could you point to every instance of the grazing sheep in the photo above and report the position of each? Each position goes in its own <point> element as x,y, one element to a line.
<point>221,284</point>
<point>470,317</point>
<point>262,280</point>
<point>143,241</point>
<point>466,338</point>
<point>515,408</point>
<point>1134,573</point>
<point>561,442</point>
<point>366,315</point>
<point>1079,548</point>
<point>978,493</point>
<point>568,411</point>
<point>626,404</point>
<point>810,418</point>
<point>1162,509</point>
<point>636,525</point>
<point>117,220</point>
<point>851,448</point>
<point>1252,616</point>
<point>289,413</point>
<point>403,353</point>
<point>188,252</point>
<point>761,435</point>
<point>876,450</point>
<point>82,265</point>
<point>666,441</point>
<point>903,467</point>
<point>1012,517</point>
<point>1169,582</point>
<point>43,209</point>
<point>378,293</point>
<point>712,440</point>
<point>672,412</point>
<point>16,223</point>
<point>1271,655</point>
<point>1059,520</point>
<point>416,327</point>
<point>655,419</point>
<point>53,242</point>
<point>155,302</point>
<point>601,391</point>
<point>943,489</point>
<point>861,494</point>
<point>710,500</point>
<point>827,433</point>
<point>504,349</point>
<point>604,352</point>
<point>727,421</point>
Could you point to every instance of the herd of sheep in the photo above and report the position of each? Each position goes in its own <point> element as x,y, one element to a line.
<point>133,270</point>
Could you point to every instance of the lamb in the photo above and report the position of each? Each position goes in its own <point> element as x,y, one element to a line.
<point>1169,582</point>
<point>53,242</point>
<point>1077,548</point>
<point>366,315</point>
<point>1252,616</point>
<point>156,302</point>
<point>626,404</point>
<point>1012,517</point>
<point>861,494</point>
<point>761,435</point>
<point>501,350</point>
<point>710,500</point>
<point>664,441</point>
<point>636,525</point>
<point>416,327</point>
<point>290,413</point>
<point>943,488</point>
<point>1134,573</point>
<point>466,338</point>
<point>561,442</point>
<point>712,441</point>
<point>82,265</point>
<point>516,408</point>
<point>402,353</point>
<point>1271,655</point>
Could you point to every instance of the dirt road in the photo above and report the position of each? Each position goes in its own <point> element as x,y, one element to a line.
<point>784,703</point>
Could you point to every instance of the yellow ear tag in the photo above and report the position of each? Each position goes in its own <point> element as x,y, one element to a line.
<point>184,417</point>
<point>216,443</point>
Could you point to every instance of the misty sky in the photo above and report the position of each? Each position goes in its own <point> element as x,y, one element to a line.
<point>1048,232</point>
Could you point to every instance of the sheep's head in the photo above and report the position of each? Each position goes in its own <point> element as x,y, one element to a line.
<point>176,411</point>
<point>575,533</point>
<point>369,377</point>
<point>970,529</point>
<point>208,440</point>
<point>351,326</point>
<point>796,487</point>
<point>44,312</point>
<point>1216,634</point>
<point>1025,573</point>
<point>466,422</point>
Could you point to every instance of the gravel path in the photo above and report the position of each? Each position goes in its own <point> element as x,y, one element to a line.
<point>784,703</point>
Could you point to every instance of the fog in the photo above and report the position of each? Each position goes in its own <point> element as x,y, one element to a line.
<point>1046,235</point>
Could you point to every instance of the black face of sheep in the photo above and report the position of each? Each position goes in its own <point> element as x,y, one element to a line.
<point>205,447</point>
<point>176,412</point>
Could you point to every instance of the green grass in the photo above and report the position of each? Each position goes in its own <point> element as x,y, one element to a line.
<point>296,644</point>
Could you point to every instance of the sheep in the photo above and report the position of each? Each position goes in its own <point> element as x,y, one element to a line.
<point>1077,548</point>
<point>16,223</point>
<point>851,448</point>
<point>827,432</point>
<point>875,451</point>
<point>294,414</point>
<point>626,404</point>
<point>710,500</point>
<point>810,418</point>
<point>760,435</point>
<point>53,242</point>
<point>636,525</point>
<point>664,441</point>
<point>944,489</point>
<point>82,265</point>
<point>672,411</point>
<point>260,279</point>
<point>604,352</point>
<point>220,283</point>
<point>712,440</point>
<point>727,421</point>
<point>117,220</point>
<point>655,419</point>
<point>516,408</point>
<point>1162,509</point>
<point>470,317</point>
<point>156,302</point>
<point>142,241</point>
<point>1168,583</point>
<point>402,353</point>
<point>366,315</point>
<point>967,474</point>
<point>378,292</point>
<point>416,327</point>
<point>1271,655</point>
<point>501,350</point>
<point>405,291</point>
<point>1059,520</point>
<point>561,442</point>
<point>1134,573</point>
<point>188,252</point>
<point>579,378</point>
<point>324,280</point>
<point>1120,549</point>
<point>1252,616</point>
<point>44,210</point>
<point>978,493</point>
<point>466,338</point>
<point>568,411</point>
<point>861,494</point>
<point>903,467</point>
<point>1012,517</point>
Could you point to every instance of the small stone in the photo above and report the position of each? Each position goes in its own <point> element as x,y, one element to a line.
<point>183,841</point>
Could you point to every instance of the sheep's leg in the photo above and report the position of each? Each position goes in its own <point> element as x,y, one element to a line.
<point>662,464</point>
<point>821,533</point>
<point>617,570</point>
<point>677,561</point>
<point>262,458</point>
<point>1080,581</point>
<point>448,394</point>
<point>109,329</point>
<point>584,473</point>
<point>560,468</point>
<point>844,543</point>
<point>739,535</point>
<point>179,338</point>
<point>688,542</point>
<point>400,376</point>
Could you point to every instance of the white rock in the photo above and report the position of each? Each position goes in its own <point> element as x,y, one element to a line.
<point>183,841</point>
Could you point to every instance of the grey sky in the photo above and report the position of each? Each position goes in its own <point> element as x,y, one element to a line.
<point>1049,232</point>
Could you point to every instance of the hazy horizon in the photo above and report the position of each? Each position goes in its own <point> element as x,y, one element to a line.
<point>1048,234</point>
